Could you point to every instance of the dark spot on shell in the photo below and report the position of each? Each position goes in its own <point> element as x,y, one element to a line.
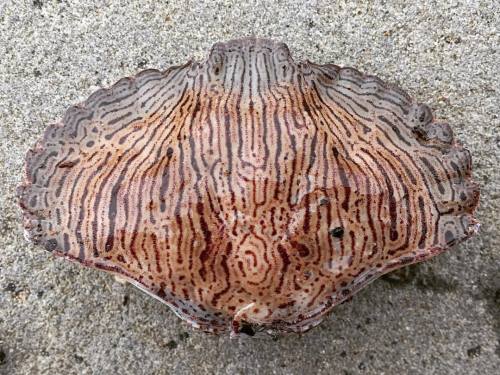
<point>170,152</point>
<point>337,232</point>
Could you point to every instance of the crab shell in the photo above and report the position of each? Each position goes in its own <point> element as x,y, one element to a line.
<point>249,190</point>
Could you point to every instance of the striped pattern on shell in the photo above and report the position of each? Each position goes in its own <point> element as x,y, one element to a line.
<point>249,189</point>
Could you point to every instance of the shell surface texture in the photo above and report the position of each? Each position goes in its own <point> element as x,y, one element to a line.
<point>248,191</point>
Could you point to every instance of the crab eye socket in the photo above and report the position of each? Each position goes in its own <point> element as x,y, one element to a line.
<point>337,232</point>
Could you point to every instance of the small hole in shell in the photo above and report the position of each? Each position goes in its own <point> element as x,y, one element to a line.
<point>337,232</point>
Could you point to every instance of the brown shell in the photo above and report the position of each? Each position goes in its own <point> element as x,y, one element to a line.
<point>249,189</point>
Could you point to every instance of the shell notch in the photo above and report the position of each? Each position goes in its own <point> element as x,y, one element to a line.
<point>249,192</point>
